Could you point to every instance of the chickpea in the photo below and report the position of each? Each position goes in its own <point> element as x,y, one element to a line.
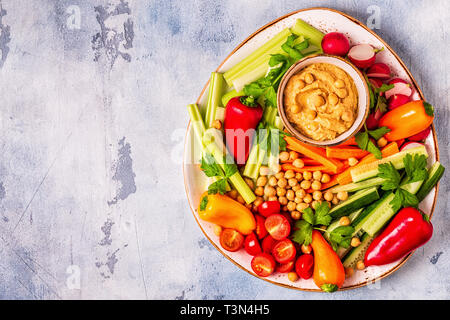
<point>349,272</point>
<point>282,183</point>
<point>276,168</point>
<point>307,175</point>
<point>301,206</point>
<point>339,83</point>
<point>292,276</point>
<point>346,116</point>
<point>310,114</point>
<point>217,230</point>
<point>335,200</point>
<point>270,191</point>
<point>308,198</point>
<point>344,221</point>
<point>315,204</point>
<point>292,182</point>
<point>341,93</point>
<point>295,108</point>
<point>240,200</point>
<point>264,171</point>
<point>317,195</point>
<point>328,195</point>
<point>305,184</point>
<point>360,265</point>
<point>261,181</point>
<point>316,185</point>
<point>300,84</point>
<point>284,156</point>
<point>293,155</point>
<point>217,124</point>
<point>272,198</point>
<point>279,175</point>
<point>296,215</point>
<point>291,206</point>
<point>325,178</point>
<point>299,176</point>
<point>309,78</point>
<point>249,206</point>
<point>273,181</point>
<point>298,200</point>
<point>290,195</point>
<point>382,142</point>
<point>250,183</point>
<point>289,174</point>
<point>283,201</point>
<point>306,249</point>
<point>259,191</point>
<point>333,99</point>
<point>296,188</point>
<point>313,126</point>
<point>342,195</point>
<point>298,163</point>
<point>232,194</point>
<point>281,192</point>
<point>258,201</point>
<point>317,175</point>
<point>352,161</point>
<point>318,100</point>
<point>355,242</point>
<point>301,193</point>
<point>284,208</point>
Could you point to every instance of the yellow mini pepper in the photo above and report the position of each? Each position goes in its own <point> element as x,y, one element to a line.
<point>226,212</point>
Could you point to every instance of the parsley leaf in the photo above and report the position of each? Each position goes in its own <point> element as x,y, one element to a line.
<point>341,236</point>
<point>378,133</point>
<point>209,166</point>
<point>408,199</point>
<point>305,226</point>
<point>308,216</point>
<point>364,143</point>
<point>220,186</point>
<point>415,167</point>
<point>372,148</point>
<point>362,139</point>
<point>390,174</point>
<point>303,232</point>
<point>322,217</point>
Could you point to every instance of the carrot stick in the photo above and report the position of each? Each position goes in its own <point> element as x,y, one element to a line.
<point>306,161</point>
<point>345,152</point>
<point>349,142</point>
<point>345,177</point>
<point>288,166</point>
<point>315,153</point>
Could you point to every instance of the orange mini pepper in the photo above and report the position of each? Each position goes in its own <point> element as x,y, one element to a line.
<point>407,120</point>
<point>329,273</point>
<point>226,212</point>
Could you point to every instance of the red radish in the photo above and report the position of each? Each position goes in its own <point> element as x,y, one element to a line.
<point>410,145</point>
<point>335,43</point>
<point>375,82</point>
<point>362,55</point>
<point>371,122</point>
<point>379,70</point>
<point>400,87</point>
<point>397,100</point>
<point>421,135</point>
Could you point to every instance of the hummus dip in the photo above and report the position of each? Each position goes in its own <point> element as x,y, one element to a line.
<point>321,101</point>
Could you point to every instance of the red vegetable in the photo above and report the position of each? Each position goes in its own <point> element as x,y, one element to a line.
<point>278,226</point>
<point>284,251</point>
<point>362,55</point>
<point>421,135</point>
<point>400,87</point>
<point>269,207</point>
<point>286,267</point>
<point>260,230</point>
<point>251,244</point>
<point>263,264</point>
<point>379,70</point>
<point>397,100</point>
<point>242,115</point>
<point>231,240</point>
<point>409,230</point>
<point>304,266</point>
<point>268,243</point>
<point>335,43</point>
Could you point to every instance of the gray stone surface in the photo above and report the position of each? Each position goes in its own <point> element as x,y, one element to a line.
<point>92,121</point>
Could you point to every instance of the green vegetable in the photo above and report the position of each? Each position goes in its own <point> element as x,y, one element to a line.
<point>310,33</point>
<point>364,143</point>
<point>434,175</point>
<point>216,87</point>
<point>357,254</point>
<point>212,169</point>
<point>230,94</point>
<point>304,227</point>
<point>356,186</point>
<point>197,124</point>
<point>356,201</point>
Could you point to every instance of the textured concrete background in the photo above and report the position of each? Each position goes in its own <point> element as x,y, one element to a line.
<point>92,121</point>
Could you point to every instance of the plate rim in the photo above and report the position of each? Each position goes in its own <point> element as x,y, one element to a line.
<point>419,91</point>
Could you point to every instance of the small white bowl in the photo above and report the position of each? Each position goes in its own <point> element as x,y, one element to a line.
<point>361,86</point>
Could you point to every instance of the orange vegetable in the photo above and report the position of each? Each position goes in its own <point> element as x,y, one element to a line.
<point>333,182</point>
<point>306,161</point>
<point>407,120</point>
<point>226,212</point>
<point>315,153</point>
<point>345,152</point>
<point>288,166</point>
<point>345,177</point>
<point>329,273</point>
<point>349,142</point>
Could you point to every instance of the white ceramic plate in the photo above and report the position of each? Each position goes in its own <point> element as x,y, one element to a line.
<point>327,20</point>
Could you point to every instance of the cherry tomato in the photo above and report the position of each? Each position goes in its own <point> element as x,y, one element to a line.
<point>263,264</point>
<point>284,251</point>
<point>268,244</point>
<point>286,267</point>
<point>231,240</point>
<point>278,226</point>
<point>251,244</point>
<point>304,266</point>
<point>269,207</point>
<point>260,230</point>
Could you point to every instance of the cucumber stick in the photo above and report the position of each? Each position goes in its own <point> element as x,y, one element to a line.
<point>356,201</point>
<point>370,170</point>
<point>377,218</point>
<point>357,254</point>
<point>356,186</point>
<point>434,175</point>
<point>352,216</point>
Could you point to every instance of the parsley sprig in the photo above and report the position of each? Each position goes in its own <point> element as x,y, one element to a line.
<point>310,219</point>
<point>364,142</point>
<point>212,169</point>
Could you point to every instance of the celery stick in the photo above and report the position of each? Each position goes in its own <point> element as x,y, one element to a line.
<point>220,114</point>
<point>278,123</point>
<point>216,86</point>
<point>197,123</point>
<point>313,35</point>
<point>257,155</point>
<point>213,141</point>
<point>257,62</point>
<point>231,94</point>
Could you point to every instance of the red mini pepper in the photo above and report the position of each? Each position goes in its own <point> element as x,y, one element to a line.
<point>409,230</point>
<point>242,115</point>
